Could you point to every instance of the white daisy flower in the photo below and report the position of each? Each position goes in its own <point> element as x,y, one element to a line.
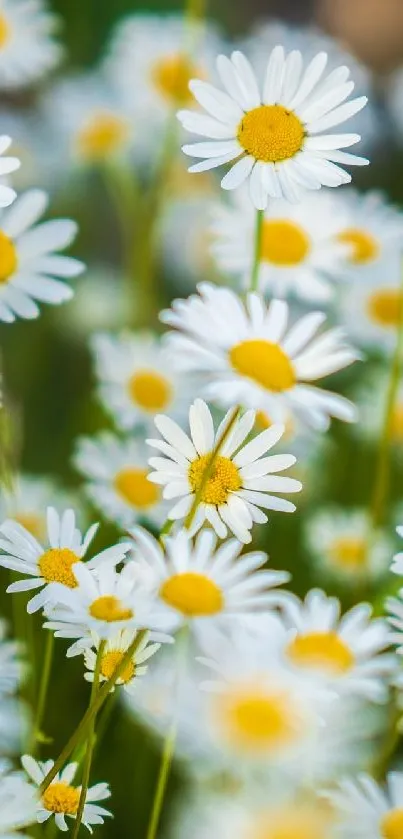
<point>370,310</point>
<point>364,810</point>
<point>30,144</point>
<point>18,805</point>
<point>28,49</point>
<point>135,381</point>
<point>57,563</point>
<point>372,231</point>
<point>61,797</point>
<point>7,165</point>
<point>397,563</point>
<point>30,264</point>
<point>26,503</point>
<point>276,132</point>
<point>250,357</point>
<point>104,602</point>
<point>112,655</point>
<point>241,477</point>
<point>203,585</point>
<point>118,479</point>
<point>299,252</point>
<point>343,545</point>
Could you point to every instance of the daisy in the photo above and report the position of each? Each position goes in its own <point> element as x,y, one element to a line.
<point>364,810</point>
<point>185,239</point>
<point>241,477</point>
<point>299,252</point>
<point>118,479</point>
<point>342,544</point>
<point>397,563</point>
<point>28,49</point>
<point>31,147</point>
<point>18,805</point>
<point>372,231</point>
<point>135,381</point>
<point>205,585</point>
<point>7,165</point>
<point>249,356</point>
<point>274,131</point>
<point>26,503</point>
<point>30,263</point>
<point>112,655</point>
<point>57,563</point>
<point>61,797</point>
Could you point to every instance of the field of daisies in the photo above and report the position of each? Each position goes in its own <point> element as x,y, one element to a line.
<point>201,433</point>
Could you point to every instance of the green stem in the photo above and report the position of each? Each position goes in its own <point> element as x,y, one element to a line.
<point>92,711</point>
<point>124,195</point>
<point>254,279</point>
<point>166,529</point>
<point>43,690</point>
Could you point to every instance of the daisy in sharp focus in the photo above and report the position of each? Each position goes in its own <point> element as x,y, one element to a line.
<point>61,798</point>
<point>299,252</point>
<point>372,231</point>
<point>112,655</point>
<point>18,805</point>
<point>31,269</point>
<point>56,563</point>
<point>365,810</point>
<point>278,131</point>
<point>28,49</point>
<point>250,357</point>
<point>242,478</point>
<point>117,476</point>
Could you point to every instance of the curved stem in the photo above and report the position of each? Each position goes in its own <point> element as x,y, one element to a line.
<point>43,689</point>
<point>254,279</point>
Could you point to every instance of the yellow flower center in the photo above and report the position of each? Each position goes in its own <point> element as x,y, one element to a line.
<point>364,247</point>
<point>109,608</point>
<point>133,485</point>
<point>349,553</point>
<point>195,595</point>
<point>392,824</point>
<point>257,720</point>
<point>109,663</point>
<point>56,564</point>
<point>384,307</point>
<point>396,429</point>
<point>8,258</point>
<point>271,133</point>
<point>283,243</point>
<point>171,76</point>
<point>265,363</point>
<point>150,390</point>
<point>223,479</point>
<point>5,31</point>
<point>300,822</point>
<point>102,135</point>
<point>322,650</point>
<point>60,797</point>
<point>35,524</point>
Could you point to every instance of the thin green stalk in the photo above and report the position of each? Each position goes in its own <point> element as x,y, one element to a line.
<point>166,529</point>
<point>91,712</point>
<point>124,195</point>
<point>257,250</point>
<point>210,465</point>
<point>43,690</point>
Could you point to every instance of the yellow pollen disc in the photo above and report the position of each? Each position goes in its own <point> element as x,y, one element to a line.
<point>5,31</point>
<point>61,798</point>
<point>109,663</point>
<point>350,553</point>
<point>171,76</point>
<point>364,247</point>
<point>271,133</point>
<point>384,307</point>
<point>195,595</point>
<point>133,485</point>
<point>265,363</point>
<point>224,478</point>
<point>396,429</point>
<point>257,720</point>
<point>35,524</point>
<point>103,134</point>
<point>303,822</point>
<point>322,650</point>
<point>392,825</point>
<point>283,243</point>
<point>151,391</point>
<point>8,258</point>
<point>56,564</point>
<point>109,608</point>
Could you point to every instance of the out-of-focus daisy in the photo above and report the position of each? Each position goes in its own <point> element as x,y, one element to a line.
<point>276,131</point>
<point>117,477</point>
<point>250,357</point>
<point>344,546</point>
<point>205,585</point>
<point>112,655</point>
<point>240,480</point>
<point>397,563</point>
<point>185,240</point>
<point>30,265</point>
<point>28,48</point>
<point>18,805</point>
<point>100,302</point>
<point>57,563</point>
<point>135,381</point>
<point>299,251</point>
<point>371,311</point>
<point>26,503</point>
<point>373,231</point>
<point>7,165</point>
<point>61,797</point>
<point>30,144</point>
<point>370,398</point>
<point>364,810</point>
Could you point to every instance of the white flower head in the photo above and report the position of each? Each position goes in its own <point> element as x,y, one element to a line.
<point>56,563</point>
<point>61,798</point>
<point>7,165</point>
<point>276,131</point>
<point>31,269</point>
<point>364,810</point>
<point>251,357</point>
<point>372,231</point>
<point>18,805</point>
<point>28,49</point>
<point>241,480</point>
<point>397,562</point>
<point>113,653</point>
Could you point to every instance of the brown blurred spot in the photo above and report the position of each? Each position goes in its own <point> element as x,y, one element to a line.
<point>373,29</point>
